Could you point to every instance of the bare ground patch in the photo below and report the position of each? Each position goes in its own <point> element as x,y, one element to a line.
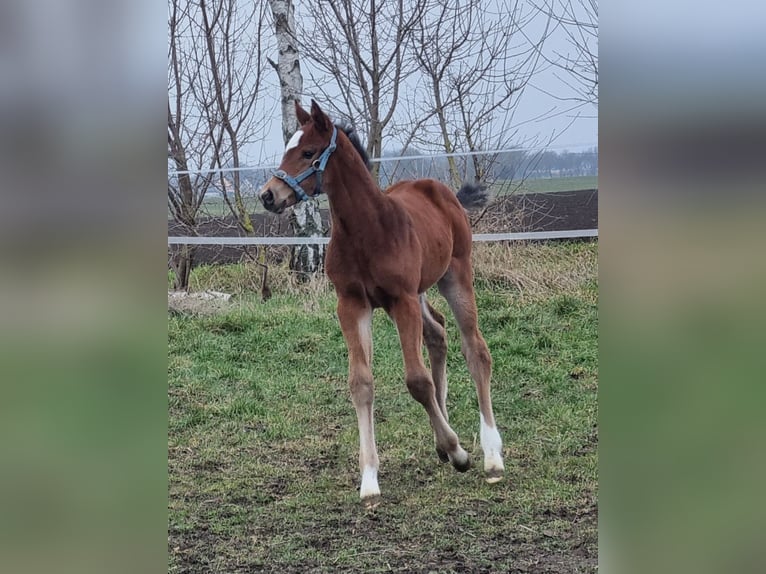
<point>277,525</point>
<point>198,303</point>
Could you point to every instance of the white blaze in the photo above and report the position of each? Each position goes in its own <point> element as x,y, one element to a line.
<point>295,140</point>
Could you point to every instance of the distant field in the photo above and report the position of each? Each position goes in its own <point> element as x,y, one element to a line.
<point>262,445</point>
<point>546,185</point>
<point>216,207</point>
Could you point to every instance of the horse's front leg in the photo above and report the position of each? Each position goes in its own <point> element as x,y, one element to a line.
<point>356,323</point>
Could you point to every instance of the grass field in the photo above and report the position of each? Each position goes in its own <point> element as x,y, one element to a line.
<point>262,447</point>
<point>216,207</point>
<point>548,185</point>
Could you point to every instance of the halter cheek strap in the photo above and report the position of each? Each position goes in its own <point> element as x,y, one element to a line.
<point>317,167</point>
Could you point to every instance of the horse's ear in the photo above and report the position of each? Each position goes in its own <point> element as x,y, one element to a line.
<point>302,115</point>
<point>321,121</point>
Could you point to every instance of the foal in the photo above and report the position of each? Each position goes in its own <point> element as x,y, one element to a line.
<point>386,250</point>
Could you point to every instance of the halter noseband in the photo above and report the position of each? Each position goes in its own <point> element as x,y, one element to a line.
<point>317,166</point>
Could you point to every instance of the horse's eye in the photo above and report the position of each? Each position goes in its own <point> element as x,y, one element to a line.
<point>308,154</point>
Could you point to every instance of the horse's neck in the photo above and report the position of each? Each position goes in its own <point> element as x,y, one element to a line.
<point>355,199</point>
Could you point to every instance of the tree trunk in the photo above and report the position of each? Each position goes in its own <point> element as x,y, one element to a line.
<point>306,220</point>
<point>182,262</point>
<point>375,148</point>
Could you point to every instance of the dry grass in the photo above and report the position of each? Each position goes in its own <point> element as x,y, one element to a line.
<point>536,271</point>
<point>243,281</point>
<point>539,270</point>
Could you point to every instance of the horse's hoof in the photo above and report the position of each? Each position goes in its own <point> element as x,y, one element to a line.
<point>443,457</point>
<point>494,475</point>
<point>464,465</point>
<point>371,502</point>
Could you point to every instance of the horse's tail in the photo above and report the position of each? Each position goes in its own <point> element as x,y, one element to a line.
<point>473,195</point>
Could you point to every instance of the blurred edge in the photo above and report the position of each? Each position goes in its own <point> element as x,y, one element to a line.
<point>682,276</point>
<point>83,409</point>
<point>82,323</point>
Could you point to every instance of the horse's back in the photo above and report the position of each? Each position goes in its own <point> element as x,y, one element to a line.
<point>426,196</point>
<point>436,214</point>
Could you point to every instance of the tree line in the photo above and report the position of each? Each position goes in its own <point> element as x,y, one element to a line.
<point>514,165</point>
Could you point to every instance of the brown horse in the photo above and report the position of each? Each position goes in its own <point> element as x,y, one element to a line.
<point>386,249</point>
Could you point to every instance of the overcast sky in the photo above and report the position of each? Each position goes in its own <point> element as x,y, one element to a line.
<point>540,115</point>
<point>543,112</point>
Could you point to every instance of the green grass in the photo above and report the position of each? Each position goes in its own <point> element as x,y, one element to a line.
<point>551,185</point>
<point>216,206</point>
<point>262,447</point>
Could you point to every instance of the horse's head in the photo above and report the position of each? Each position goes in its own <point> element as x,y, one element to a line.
<point>300,174</point>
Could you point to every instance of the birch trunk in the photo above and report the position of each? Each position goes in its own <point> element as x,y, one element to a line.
<point>305,219</point>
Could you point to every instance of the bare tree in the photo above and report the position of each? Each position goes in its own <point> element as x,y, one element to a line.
<point>359,48</point>
<point>305,218</point>
<point>288,65</point>
<point>214,84</point>
<point>232,67</point>
<point>190,142</point>
<point>578,20</point>
<point>476,63</point>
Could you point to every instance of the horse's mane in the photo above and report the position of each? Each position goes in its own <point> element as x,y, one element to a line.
<point>353,137</point>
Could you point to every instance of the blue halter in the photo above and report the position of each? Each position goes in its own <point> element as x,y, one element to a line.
<point>317,167</point>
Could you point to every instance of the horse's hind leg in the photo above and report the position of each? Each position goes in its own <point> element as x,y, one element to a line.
<point>406,313</point>
<point>457,288</point>
<point>356,323</point>
<point>435,337</point>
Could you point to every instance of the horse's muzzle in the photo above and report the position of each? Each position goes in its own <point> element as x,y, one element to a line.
<point>269,201</point>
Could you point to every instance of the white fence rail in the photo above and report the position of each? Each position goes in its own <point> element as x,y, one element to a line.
<point>520,236</point>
